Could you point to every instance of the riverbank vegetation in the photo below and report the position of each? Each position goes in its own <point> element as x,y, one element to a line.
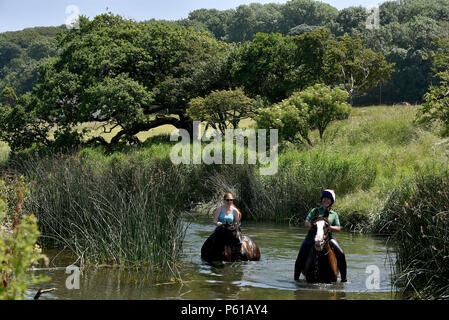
<point>88,128</point>
<point>19,234</point>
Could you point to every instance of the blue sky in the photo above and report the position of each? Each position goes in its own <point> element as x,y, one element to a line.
<point>20,14</point>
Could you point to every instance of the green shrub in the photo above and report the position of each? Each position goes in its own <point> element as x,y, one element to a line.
<point>18,241</point>
<point>416,214</point>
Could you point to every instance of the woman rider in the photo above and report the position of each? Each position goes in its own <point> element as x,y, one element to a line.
<point>228,212</point>
<point>327,200</point>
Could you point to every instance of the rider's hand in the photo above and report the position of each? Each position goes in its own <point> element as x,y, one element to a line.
<point>219,223</point>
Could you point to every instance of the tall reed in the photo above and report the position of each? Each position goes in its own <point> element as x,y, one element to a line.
<point>124,212</point>
<point>288,195</point>
<point>417,216</point>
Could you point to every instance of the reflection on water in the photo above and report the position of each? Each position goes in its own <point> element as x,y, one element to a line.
<point>270,278</point>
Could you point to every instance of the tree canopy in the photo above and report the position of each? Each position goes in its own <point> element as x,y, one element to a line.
<point>122,73</point>
<point>405,35</point>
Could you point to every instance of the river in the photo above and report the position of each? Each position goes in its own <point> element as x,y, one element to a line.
<point>270,278</point>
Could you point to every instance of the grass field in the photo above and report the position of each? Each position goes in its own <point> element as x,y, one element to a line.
<point>381,142</point>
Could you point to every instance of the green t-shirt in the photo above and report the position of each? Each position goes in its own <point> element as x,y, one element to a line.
<point>333,216</point>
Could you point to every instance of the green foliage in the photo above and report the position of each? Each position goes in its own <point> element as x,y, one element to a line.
<point>358,68</point>
<point>18,252</point>
<point>436,107</point>
<point>415,216</point>
<point>312,49</point>
<point>314,108</point>
<point>8,97</point>
<point>119,72</point>
<point>120,209</point>
<point>325,105</point>
<point>270,57</point>
<point>213,20</point>
<point>8,51</point>
<point>13,190</point>
<point>351,21</point>
<point>309,12</point>
<point>18,240</point>
<point>20,54</point>
<point>19,126</point>
<point>221,109</point>
<point>288,118</point>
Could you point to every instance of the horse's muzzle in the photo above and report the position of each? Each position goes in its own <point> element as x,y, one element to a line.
<point>319,243</point>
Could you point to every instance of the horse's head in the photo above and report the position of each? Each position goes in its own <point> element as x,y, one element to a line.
<point>229,232</point>
<point>321,225</point>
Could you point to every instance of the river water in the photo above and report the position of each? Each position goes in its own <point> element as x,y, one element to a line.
<point>271,278</point>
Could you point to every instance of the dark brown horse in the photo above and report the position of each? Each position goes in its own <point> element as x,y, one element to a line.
<point>321,264</point>
<point>228,243</point>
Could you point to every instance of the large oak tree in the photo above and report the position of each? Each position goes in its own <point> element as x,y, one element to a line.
<point>127,75</point>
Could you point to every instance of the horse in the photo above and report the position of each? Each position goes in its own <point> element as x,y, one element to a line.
<point>321,263</point>
<point>228,243</point>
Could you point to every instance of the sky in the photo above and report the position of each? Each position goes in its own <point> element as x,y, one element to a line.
<point>20,14</point>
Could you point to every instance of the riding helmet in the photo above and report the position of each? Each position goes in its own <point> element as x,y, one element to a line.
<point>328,193</point>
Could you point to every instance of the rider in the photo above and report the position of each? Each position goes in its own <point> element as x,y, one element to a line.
<point>228,212</point>
<point>327,200</point>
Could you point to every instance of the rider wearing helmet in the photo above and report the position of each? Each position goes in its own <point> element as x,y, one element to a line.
<point>327,200</point>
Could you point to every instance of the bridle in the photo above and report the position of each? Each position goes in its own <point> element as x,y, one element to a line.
<point>326,237</point>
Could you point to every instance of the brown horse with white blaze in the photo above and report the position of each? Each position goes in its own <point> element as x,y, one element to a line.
<point>228,243</point>
<point>321,264</point>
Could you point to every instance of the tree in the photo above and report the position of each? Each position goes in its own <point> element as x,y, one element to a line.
<point>266,67</point>
<point>8,97</point>
<point>351,21</point>
<point>19,125</point>
<point>41,49</point>
<point>407,45</point>
<point>213,20</point>
<point>8,51</point>
<point>310,55</point>
<point>388,12</point>
<point>221,109</point>
<point>313,108</point>
<point>356,67</point>
<point>302,28</point>
<point>325,105</point>
<point>121,73</point>
<point>289,119</point>
<point>436,107</point>
<point>308,12</point>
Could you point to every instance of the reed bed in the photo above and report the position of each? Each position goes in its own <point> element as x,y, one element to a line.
<point>288,195</point>
<point>417,216</point>
<point>123,212</point>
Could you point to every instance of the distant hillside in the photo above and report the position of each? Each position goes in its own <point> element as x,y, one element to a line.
<point>21,52</point>
<point>404,36</point>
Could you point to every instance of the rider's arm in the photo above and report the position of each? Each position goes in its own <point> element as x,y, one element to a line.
<point>335,229</point>
<point>336,224</point>
<point>217,214</point>
<point>308,219</point>
<point>236,215</point>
